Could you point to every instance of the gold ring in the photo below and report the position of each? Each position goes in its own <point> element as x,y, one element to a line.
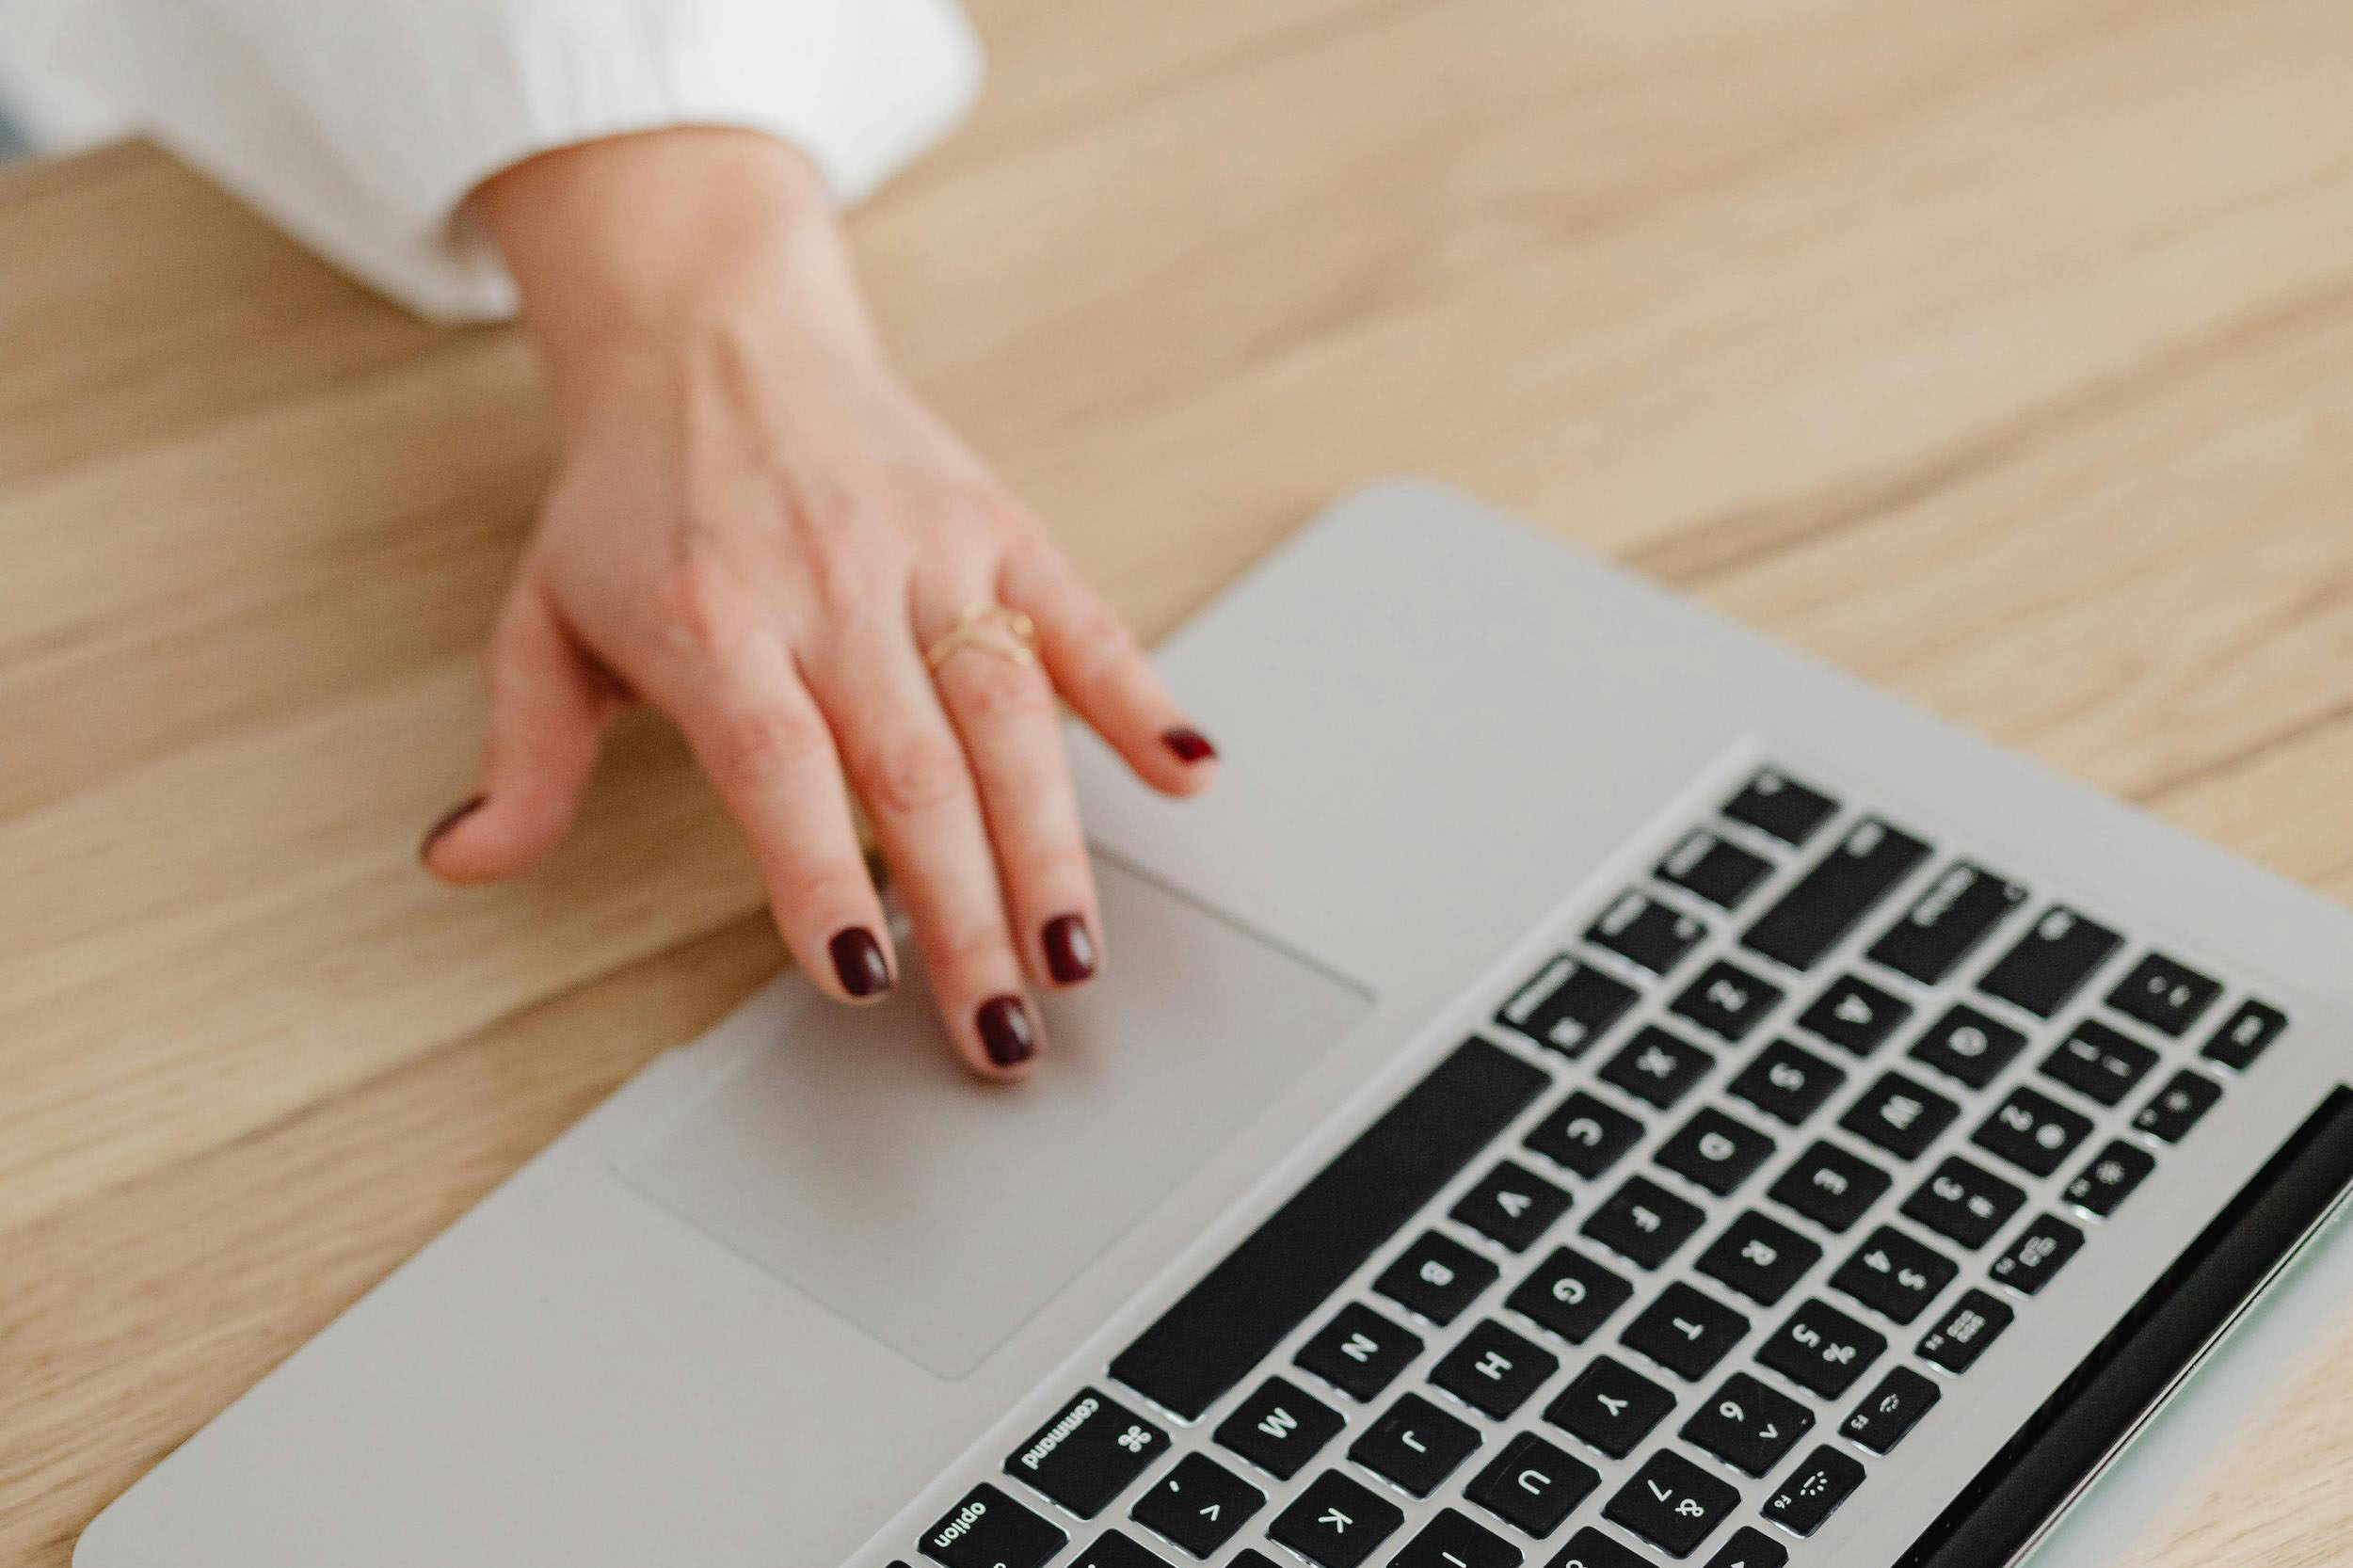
<point>991,628</point>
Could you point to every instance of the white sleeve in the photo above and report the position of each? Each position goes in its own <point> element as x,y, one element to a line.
<point>359,125</point>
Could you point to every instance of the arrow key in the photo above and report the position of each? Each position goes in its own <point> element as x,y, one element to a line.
<point>1198,1505</point>
<point>1337,1522</point>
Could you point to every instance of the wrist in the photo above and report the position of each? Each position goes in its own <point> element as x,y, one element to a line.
<point>629,250</point>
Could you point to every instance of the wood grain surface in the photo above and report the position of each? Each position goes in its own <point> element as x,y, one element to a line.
<point>2000,353</point>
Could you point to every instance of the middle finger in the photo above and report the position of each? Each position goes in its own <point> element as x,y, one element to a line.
<point>1001,702</point>
<point>905,762</point>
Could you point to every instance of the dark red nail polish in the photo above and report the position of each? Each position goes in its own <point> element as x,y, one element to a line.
<point>1006,1033</point>
<point>1189,743</point>
<point>857,958</point>
<point>1069,950</point>
<point>457,814</point>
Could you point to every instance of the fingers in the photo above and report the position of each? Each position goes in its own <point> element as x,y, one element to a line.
<point>1097,666</point>
<point>1004,713</point>
<point>549,707</point>
<point>907,766</point>
<point>760,737</point>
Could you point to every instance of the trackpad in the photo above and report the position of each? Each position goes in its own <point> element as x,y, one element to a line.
<point>856,1161</point>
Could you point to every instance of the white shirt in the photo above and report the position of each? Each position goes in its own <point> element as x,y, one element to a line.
<point>360,126</point>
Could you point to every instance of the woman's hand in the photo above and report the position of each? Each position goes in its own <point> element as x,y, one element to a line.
<point>761,531</point>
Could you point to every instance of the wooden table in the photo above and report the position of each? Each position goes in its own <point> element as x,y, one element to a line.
<point>2000,352</point>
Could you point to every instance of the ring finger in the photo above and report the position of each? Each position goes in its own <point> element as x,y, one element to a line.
<point>998,697</point>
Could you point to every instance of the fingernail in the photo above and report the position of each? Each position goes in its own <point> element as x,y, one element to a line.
<point>1189,743</point>
<point>1006,1033</point>
<point>857,958</point>
<point>1069,950</point>
<point>457,814</point>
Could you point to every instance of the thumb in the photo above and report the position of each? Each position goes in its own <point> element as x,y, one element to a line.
<point>549,707</point>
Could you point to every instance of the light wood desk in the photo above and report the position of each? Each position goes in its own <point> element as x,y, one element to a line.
<point>2001,353</point>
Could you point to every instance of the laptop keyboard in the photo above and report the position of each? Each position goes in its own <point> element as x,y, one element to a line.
<point>1629,1295</point>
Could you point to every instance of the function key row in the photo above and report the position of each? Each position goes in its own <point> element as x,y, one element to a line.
<point>1949,921</point>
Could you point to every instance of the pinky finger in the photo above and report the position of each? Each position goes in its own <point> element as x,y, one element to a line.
<point>1101,671</point>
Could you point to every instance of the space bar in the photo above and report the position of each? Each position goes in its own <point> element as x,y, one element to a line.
<point>1242,1310</point>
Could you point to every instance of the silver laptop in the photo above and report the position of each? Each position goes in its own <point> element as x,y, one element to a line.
<point>1591,1089</point>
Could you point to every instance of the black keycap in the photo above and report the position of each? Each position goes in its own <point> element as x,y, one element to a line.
<point>2248,1033</point>
<point>2109,1180</point>
<point>1750,1548</point>
<point>1672,1503</point>
<point>1454,1539</point>
<point>1493,1370</point>
<point>1533,1485</point>
<point>1787,1082</point>
<point>2051,962</point>
<point>1721,874</point>
<point>1946,924</point>
<point>1822,1349</point>
<point>2100,1063</point>
<point>1590,1548</point>
<point>1219,1331</point>
<point>1644,1222</point>
<point>1338,1521</point>
<point>1570,1294</point>
<point>1889,1412</point>
<point>1830,1186</point>
<point>2166,994</point>
<point>1749,1425</point>
<point>1250,1557</point>
<point>1088,1453</point>
<point>1900,1114</point>
<point>1761,1259</point>
<point>1115,1550</point>
<point>1969,1046</point>
<point>1582,1134</point>
<point>1279,1428</point>
<point>1831,900</point>
<point>2178,1106</point>
<point>1513,1206</point>
<point>1359,1352</point>
<point>2040,1250</point>
<point>1415,1446</point>
<point>1812,1492</point>
<point>1609,1406</point>
<point>1961,1336</point>
<point>988,1529</point>
<point>1198,1505</point>
<point>1727,1001</point>
<point>1894,1275</point>
<point>1646,933</point>
<point>1855,1014</point>
<point>1568,1007</point>
<point>2032,1131</point>
<point>1686,1331</point>
<point>1657,1066</point>
<point>1964,1201</point>
<point>1715,1151</point>
<point>1777,805</point>
<point>1437,1277</point>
